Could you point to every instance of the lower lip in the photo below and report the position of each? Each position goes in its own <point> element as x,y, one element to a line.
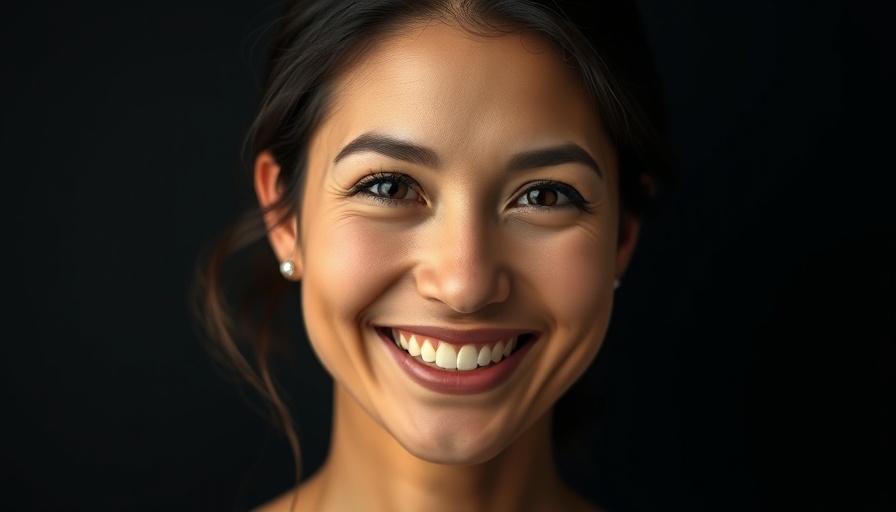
<point>457,382</point>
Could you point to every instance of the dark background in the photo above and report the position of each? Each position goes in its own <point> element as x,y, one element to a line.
<point>750,364</point>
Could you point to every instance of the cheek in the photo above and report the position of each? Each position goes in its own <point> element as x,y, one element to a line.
<point>346,267</point>
<point>578,289</point>
<point>572,275</point>
<point>574,287</point>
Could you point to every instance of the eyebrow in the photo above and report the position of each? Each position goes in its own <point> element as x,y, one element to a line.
<point>421,155</point>
<point>390,147</point>
<point>554,155</point>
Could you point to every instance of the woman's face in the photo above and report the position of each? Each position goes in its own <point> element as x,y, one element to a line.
<point>462,193</point>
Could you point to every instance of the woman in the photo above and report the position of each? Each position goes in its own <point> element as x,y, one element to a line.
<point>457,186</point>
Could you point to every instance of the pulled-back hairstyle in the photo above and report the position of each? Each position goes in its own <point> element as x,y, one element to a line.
<point>316,41</point>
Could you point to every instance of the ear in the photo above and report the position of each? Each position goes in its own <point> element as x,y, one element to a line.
<point>282,224</point>
<point>629,227</point>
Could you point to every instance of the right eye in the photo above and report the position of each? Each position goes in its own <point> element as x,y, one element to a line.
<point>389,188</point>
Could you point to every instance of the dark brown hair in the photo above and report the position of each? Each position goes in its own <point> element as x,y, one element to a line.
<point>316,40</point>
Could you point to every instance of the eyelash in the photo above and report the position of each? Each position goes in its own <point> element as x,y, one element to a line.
<point>362,188</point>
<point>575,198</point>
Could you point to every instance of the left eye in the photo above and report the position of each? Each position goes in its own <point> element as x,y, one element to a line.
<point>392,189</point>
<point>388,188</point>
<point>551,195</point>
<point>543,197</point>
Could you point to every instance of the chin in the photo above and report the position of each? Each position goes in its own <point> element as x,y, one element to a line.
<point>458,450</point>
<point>457,437</point>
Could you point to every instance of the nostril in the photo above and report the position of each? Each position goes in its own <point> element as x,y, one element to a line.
<point>461,262</point>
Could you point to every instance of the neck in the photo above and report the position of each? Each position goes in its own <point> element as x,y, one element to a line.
<point>368,470</point>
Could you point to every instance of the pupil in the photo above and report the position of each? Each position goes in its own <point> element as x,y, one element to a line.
<point>542,197</point>
<point>393,189</point>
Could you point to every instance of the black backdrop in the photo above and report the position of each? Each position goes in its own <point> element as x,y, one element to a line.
<point>751,360</point>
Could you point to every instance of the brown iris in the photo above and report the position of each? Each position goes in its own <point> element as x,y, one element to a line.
<point>541,197</point>
<point>392,189</point>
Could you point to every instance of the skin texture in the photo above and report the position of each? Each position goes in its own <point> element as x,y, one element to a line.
<point>461,247</point>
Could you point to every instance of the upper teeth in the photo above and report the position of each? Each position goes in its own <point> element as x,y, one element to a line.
<point>449,356</point>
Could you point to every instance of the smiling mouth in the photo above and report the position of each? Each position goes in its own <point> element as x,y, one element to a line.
<point>453,356</point>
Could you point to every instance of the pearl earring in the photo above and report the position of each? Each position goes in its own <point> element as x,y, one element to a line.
<point>287,268</point>
<point>616,284</point>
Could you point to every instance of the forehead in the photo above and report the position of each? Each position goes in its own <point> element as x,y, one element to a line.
<point>439,84</point>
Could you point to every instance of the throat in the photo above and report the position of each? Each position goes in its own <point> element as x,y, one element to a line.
<point>367,469</point>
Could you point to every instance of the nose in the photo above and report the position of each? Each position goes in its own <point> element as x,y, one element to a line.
<point>461,263</point>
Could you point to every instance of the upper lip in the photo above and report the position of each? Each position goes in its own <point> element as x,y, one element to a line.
<point>461,336</point>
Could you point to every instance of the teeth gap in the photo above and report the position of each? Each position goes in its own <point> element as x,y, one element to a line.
<point>520,341</point>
